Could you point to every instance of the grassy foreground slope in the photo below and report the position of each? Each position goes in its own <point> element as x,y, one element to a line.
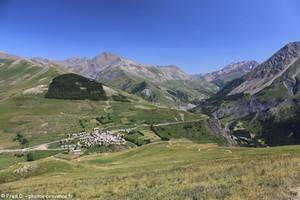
<point>177,169</point>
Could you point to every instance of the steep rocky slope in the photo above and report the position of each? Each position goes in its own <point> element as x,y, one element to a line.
<point>263,106</point>
<point>264,75</point>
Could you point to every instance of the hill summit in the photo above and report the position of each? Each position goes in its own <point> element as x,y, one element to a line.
<point>73,86</point>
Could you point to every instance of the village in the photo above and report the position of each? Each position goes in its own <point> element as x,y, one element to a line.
<point>83,140</point>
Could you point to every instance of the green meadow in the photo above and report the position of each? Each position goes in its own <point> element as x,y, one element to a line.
<point>175,169</point>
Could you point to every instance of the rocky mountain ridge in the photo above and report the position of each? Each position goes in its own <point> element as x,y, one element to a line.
<point>108,62</point>
<point>264,74</point>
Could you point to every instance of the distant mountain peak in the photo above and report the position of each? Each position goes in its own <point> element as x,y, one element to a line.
<point>173,72</point>
<point>108,56</point>
<point>295,44</point>
<point>229,72</point>
<point>241,65</point>
<point>109,59</point>
<point>4,55</point>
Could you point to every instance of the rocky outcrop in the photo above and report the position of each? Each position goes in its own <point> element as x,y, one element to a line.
<point>244,107</point>
<point>216,127</point>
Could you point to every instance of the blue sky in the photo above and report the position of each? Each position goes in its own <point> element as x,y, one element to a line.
<point>197,35</point>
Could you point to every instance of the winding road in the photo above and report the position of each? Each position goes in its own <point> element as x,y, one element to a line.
<point>44,147</point>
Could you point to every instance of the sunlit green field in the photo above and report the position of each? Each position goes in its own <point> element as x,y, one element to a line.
<point>42,120</point>
<point>176,169</point>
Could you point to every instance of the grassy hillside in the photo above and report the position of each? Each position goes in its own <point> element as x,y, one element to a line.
<point>177,169</point>
<point>195,131</point>
<point>42,120</point>
<point>168,93</point>
<point>24,110</point>
<point>18,76</point>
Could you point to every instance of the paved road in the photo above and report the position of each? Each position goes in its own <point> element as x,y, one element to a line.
<point>180,122</point>
<point>41,147</point>
<point>44,147</point>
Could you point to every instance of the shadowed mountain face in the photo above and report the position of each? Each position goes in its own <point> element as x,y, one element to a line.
<point>265,103</point>
<point>76,87</point>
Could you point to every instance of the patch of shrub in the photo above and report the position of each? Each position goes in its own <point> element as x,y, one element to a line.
<point>136,137</point>
<point>104,119</point>
<point>120,98</point>
<point>21,139</point>
<point>29,157</point>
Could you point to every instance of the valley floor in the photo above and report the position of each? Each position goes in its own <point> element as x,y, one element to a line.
<point>175,169</point>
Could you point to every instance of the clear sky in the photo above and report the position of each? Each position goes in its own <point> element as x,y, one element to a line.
<point>197,35</point>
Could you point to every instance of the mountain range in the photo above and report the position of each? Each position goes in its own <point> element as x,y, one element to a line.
<point>162,85</point>
<point>165,85</point>
<point>257,103</point>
